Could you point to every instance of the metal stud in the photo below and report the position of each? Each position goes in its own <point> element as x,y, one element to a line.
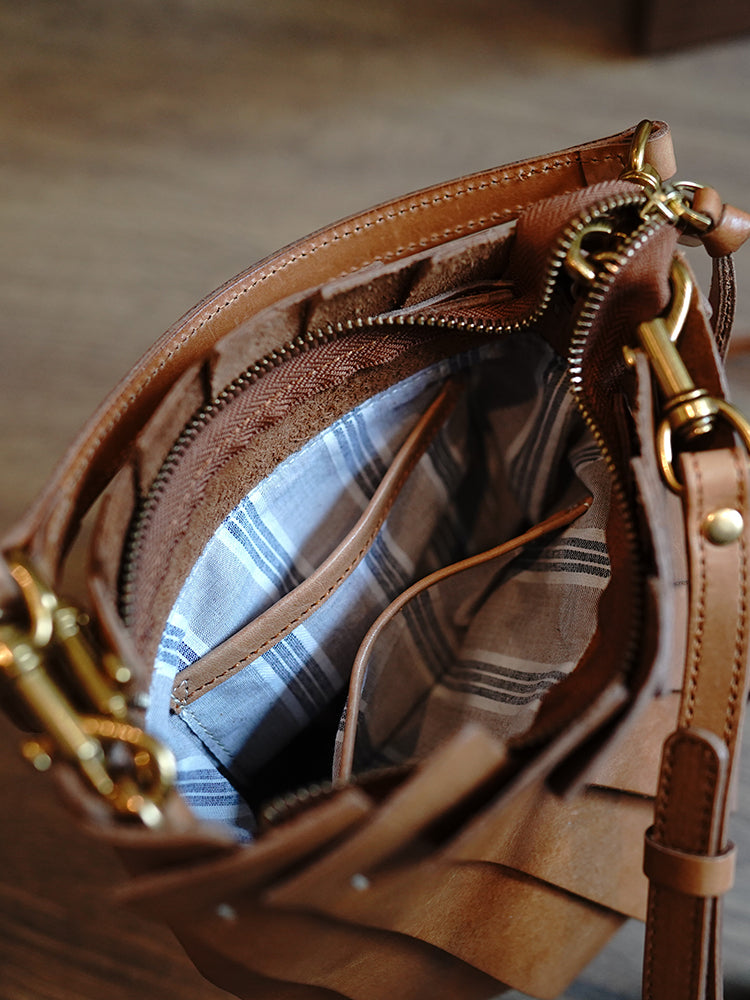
<point>723,526</point>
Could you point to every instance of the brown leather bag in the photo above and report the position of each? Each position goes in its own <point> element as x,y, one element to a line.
<point>391,546</point>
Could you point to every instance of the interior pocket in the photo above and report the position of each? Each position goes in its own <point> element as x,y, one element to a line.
<point>512,449</point>
<point>265,630</point>
<point>418,662</point>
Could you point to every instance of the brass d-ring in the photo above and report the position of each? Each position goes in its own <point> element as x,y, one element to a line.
<point>732,416</point>
<point>638,170</point>
<point>40,601</point>
<point>637,154</point>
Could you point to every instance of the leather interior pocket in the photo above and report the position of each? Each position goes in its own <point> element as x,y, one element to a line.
<point>268,628</point>
<point>454,594</point>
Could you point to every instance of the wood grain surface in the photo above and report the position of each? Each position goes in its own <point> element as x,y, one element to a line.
<point>149,151</point>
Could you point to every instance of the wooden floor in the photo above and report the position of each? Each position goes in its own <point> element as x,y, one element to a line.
<point>149,151</point>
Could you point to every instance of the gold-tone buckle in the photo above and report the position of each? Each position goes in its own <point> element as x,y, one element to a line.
<point>52,650</point>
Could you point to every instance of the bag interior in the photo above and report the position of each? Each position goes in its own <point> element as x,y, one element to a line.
<point>485,643</point>
<point>481,642</point>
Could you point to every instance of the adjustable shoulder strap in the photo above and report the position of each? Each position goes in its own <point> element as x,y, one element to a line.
<point>688,859</point>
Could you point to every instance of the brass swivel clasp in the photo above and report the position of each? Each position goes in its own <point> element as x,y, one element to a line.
<point>674,201</point>
<point>688,412</point>
<point>73,694</point>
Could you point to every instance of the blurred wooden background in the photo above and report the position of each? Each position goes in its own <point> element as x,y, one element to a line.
<point>149,151</point>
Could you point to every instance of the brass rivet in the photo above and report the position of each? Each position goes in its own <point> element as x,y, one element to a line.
<point>723,526</point>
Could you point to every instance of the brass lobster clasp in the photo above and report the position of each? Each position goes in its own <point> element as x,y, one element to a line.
<point>688,411</point>
<point>53,667</point>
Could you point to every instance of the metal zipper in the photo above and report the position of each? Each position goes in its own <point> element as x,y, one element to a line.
<point>595,295</point>
<point>290,803</point>
<point>310,340</point>
<point>199,420</point>
<point>274,812</point>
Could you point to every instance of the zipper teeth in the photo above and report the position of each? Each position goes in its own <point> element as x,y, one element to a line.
<point>304,342</point>
<point>594,297</point>
<point>589,311</point>
<point>144,510</point>
<point>554,268</point>
<point>283,806</point>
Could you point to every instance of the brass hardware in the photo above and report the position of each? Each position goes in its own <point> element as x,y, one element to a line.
<point>674,201</point>
<point>49,618</point>
<point>23,664</point>
<point>637,169</point>
<point>135,782</point>
<point>69,631</point>
<point>722,410</point>
<point>637,153</point>
<point>578,261</point>
<point>40,603</point>
<point>723,526</point>
<point>689,412</point>
<point>153,765</point>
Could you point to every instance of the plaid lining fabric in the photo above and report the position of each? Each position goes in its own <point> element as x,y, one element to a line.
<point>487,643</point>
<point>510,451</point>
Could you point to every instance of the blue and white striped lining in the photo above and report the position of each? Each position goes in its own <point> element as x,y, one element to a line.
<point>289,523</point>
<point>266,545</point>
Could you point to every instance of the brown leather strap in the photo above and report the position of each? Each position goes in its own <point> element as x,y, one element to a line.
<point>679,938</point>
<point>716,673</point>
<point>731,226</point>
<point>690,874</point>
<point>687,855</point>
<point>388,232</point>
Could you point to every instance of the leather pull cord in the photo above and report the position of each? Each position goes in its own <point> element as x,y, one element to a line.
<point>729,230</point>
<point>688,859</point>
<point>723,299</point>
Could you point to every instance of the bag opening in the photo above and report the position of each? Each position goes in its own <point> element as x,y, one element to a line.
<point>512,451</point>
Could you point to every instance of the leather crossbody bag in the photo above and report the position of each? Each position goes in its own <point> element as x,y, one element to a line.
<point>414,654</point>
